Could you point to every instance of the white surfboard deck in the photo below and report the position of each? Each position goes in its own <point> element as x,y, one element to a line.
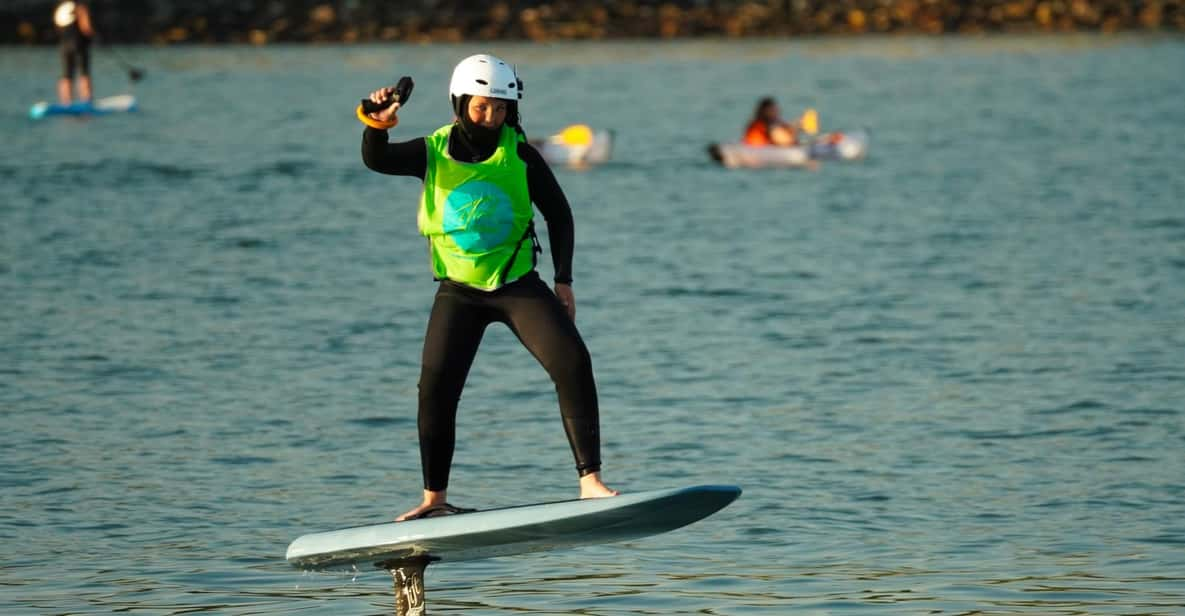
<point>510,530</point>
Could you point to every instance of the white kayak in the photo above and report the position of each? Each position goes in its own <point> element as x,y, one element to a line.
<point>576,146</point>
<point>833,146</point>
<point>112,104</point>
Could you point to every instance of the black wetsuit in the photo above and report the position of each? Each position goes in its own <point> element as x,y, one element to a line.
<point>461,313</point>
<point>75,49</point>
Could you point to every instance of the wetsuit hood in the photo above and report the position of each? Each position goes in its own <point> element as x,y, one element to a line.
<point>479,139</point>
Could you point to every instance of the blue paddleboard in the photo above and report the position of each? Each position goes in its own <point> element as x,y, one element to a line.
<point>511,530</point>
<point>111,104</point>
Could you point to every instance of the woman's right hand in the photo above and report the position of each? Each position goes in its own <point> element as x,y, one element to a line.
<point>380,95</point>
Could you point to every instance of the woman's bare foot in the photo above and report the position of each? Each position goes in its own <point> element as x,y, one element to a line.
<point>431,499</point>
<point>591,486</point>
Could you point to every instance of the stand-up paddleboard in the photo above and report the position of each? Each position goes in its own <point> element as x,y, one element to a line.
<point>509,531</point>
<point>111,104</point>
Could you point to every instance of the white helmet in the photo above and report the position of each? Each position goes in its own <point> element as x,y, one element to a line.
<point>485,75</point>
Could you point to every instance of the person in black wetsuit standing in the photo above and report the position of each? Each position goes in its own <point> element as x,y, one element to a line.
<point>73,23</point>
<point>480,180</point>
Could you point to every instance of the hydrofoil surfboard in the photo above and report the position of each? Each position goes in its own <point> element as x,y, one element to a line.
<point>510,530</point>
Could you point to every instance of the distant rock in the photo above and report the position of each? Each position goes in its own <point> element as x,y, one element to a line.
<point>349,21</point>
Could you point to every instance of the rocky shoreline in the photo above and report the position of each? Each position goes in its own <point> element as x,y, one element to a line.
<point>349,21</point>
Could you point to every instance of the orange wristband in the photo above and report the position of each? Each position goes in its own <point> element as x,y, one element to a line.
<point>373,123</point>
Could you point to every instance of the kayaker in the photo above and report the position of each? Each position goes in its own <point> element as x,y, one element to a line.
<point>480,179</point>
<point>73,23</point>
<point>767,126</point>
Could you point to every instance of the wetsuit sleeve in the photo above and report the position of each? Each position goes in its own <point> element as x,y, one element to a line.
<point>547,195</point>
<point>403,158</point>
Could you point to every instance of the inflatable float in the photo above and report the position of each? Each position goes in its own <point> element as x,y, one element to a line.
<point>578,145</point>
<point>851,145</point>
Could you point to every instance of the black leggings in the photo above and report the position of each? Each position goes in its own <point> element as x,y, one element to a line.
<point>459,318</point>
<point>76,56</point>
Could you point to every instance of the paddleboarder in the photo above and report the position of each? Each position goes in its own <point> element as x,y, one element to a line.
<point>480,180</point>
<point>73,23</point>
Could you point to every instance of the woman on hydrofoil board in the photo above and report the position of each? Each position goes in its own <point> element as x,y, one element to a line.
<point>481,178</point>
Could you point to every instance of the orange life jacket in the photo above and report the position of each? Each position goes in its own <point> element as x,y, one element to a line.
<point>757,133</point>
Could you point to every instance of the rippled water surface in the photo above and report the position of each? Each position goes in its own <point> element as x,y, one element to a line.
<point>950,378</point>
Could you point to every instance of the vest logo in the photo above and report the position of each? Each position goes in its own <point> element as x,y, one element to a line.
<point>478,216</point>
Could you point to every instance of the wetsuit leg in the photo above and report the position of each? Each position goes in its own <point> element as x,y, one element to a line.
<point>455,328</point>
<point>536,316</point>
<point>84,59</point>
<point>68,61</point>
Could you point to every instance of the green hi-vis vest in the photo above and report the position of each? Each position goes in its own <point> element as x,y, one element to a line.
<point>477,216</point>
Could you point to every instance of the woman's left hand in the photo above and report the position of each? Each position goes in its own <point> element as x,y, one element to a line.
<point>563,291</point>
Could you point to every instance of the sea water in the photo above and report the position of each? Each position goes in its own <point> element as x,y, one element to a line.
<point>950,377</point>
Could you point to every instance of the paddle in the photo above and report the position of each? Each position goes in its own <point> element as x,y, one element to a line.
<point>134,74</point>
<point>809,122</point>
